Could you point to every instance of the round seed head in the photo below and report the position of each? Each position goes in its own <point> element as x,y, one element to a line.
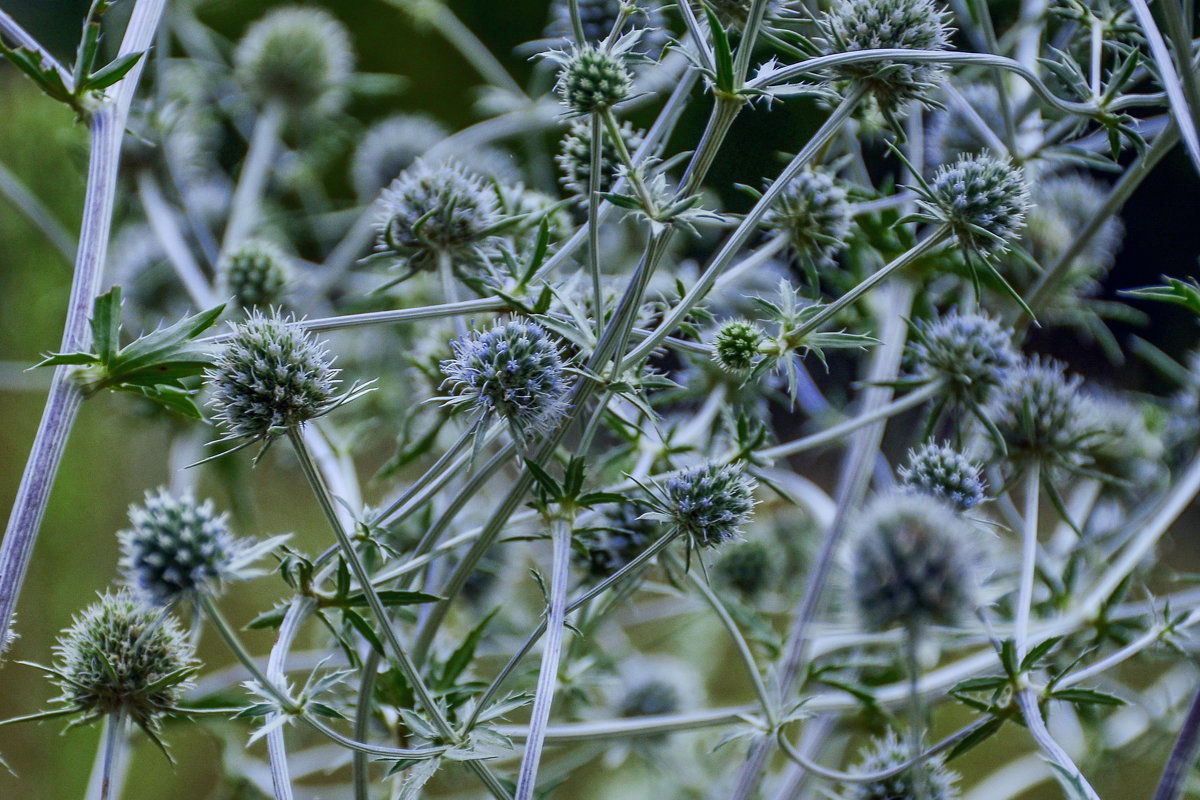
<point>910,561</point>
<point>513,371</point>
<point>299,57</point>
<point>981,199</point>
<point>122,656</point>
<point>709,504</point>
<point>1040,414</point>
<point>437,209</point>
<point>747,569</point>
<point>599,16</point>
<point>971,353</point>
<point>176,548</point>
<point>945,473</point>
<point>593,79</point>
<point>735,347</point>
<point>255,273</point>
<point>813,213</point>
<point>930,779</point>
<point>617,540</point>
<point>852,25</point>
<point>389,147</point>
<point>575,156</point>
<point>650,697</point>
<point>272,375</point>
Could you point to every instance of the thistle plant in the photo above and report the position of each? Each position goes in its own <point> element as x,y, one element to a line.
<point>608,330</point>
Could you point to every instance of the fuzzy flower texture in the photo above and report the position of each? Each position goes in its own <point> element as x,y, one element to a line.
<point>709,504</point>
<point>513,371</point>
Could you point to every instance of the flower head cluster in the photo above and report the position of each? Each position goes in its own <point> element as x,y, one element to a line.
<point>1041,416</point>
<point>911,561</point>
<point>298,57</point>
<point>120,656</point>
<point>593,78</point>
<point>575,156</point>
<point>255,273</point>
<point>513,371</point>
<point>735,347</point>
<point>930,779</point>
<point>813,213</point>
<point>389,147</point>
<point>709,504</point>
<point>599,17</point>
<point>942,471</point>
<point>176,547</point>
<point>853,25</point>
<point>272,375</point>
<point>981,199</point>
<point>436,210</point>
<point>970,353</point>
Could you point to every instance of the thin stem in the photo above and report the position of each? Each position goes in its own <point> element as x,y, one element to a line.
<point>36,212</point>
<point>560,534</point>
<point>1029,543</point>
<point>230,637</point>
<point>916,711</point>
<point>245,209</point>
<point>653,725</point>
<point>62,405</point>
<point>362,721</point>
<point>166,230</point>
<point>111,740</point>
<point>1183,755</point>
<point>1069,771</point>
<point>281,780</point>
<point>439,469</point>
<point>14,32</point>
<point>593,221</point>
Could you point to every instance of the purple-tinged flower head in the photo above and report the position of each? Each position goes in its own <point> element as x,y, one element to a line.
<point>970,353</point>
<point>982,199</point>
<point>930,779</point>
<point>945,473</point>
<point>814,214</point>
<point>709,504</point>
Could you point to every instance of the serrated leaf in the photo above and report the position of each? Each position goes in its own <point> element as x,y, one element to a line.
<point>106,324</point>
<point>111,73</point>
<point>976,737</point>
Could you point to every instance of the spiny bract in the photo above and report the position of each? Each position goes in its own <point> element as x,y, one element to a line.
<point>272,375</point>
<point>296,56</point>
<point>735,347</point>
<point>575,156</point>
<point>911,561</point>
<point>1040,414</point>
<point>593,79</point>
<point>709,504</point>
<point>942,471</point>
<point>120,656</point>
<point>971,353</point>
<point>513,371</point>
<point>981,199</point>
<point>176,547</point>
<point>599,16</point>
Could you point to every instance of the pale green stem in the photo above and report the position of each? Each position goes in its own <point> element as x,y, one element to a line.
<point>593,221</point>
<point>245,209</point>
<point>166,230</point>
<point>111,741</point>
<point>36,212</point>
<point>1029,543</point>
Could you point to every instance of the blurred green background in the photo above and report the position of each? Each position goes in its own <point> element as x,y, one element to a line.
<point>114,456</point>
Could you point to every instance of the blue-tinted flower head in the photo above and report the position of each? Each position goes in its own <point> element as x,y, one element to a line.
<point>970,353</point>
<point>982,199</point>
<point>709,504</point>
<point>930,779</point>
<point>297,56</point>
<point>942,471</point>
<point>814,215</point>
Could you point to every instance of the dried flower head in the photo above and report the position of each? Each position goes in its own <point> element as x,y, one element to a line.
<point>1040,414</point>
<point>298,57</point>
<point>853,25</point>
<point>736,346</point>
<point>911,561</point>
<point>594,78</point>
<point>255,273</point>
<point>177,548</point>
<point>513,371</point>
<point>709,504</point>
<point>435,211</point>
<point>575,156</point>
<point>813,213</point>
<point>120,656</point>
<point>970,353</point>
<point>942,471</point>
<point>981,199</point>
<point>389,147</point>
<point>930,779</point>
<point>272,375</point>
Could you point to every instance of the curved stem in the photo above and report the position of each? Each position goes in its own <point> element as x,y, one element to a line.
<point>556,613</point>
<point>1066,770</point>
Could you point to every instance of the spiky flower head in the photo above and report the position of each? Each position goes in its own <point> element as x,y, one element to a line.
<point>298,57</point>
<point>593,78</point>
<point>255,272</point>
<point>575,156</point>
<point>272,375</point>
<point>735,347</point>
<point>599,17</point>
<point>389,147</point>
<point>176,548</point>
<point>813,213</point>
<point>970,353</point>
<point>616,540</point>
<point>513,371</point>
<point>437,210</point>
<point>747,568</point>
<point>650,697</point>
<point>709,504</point>
<point>1040,414</point>
<point>929,780</point>
<point>911,561</point>
<point>853,25</point>
<point>942,471</point>
<point>982,199</point>
<point>121,656</point>
<point>1127,446</point>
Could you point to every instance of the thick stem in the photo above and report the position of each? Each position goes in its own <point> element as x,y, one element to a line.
<point>1029,543</point>
<point>111,740</point>
<point>62,406</point>
<point>1067,771</point>
<point>556,614</point>
<point>1183,755</point>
